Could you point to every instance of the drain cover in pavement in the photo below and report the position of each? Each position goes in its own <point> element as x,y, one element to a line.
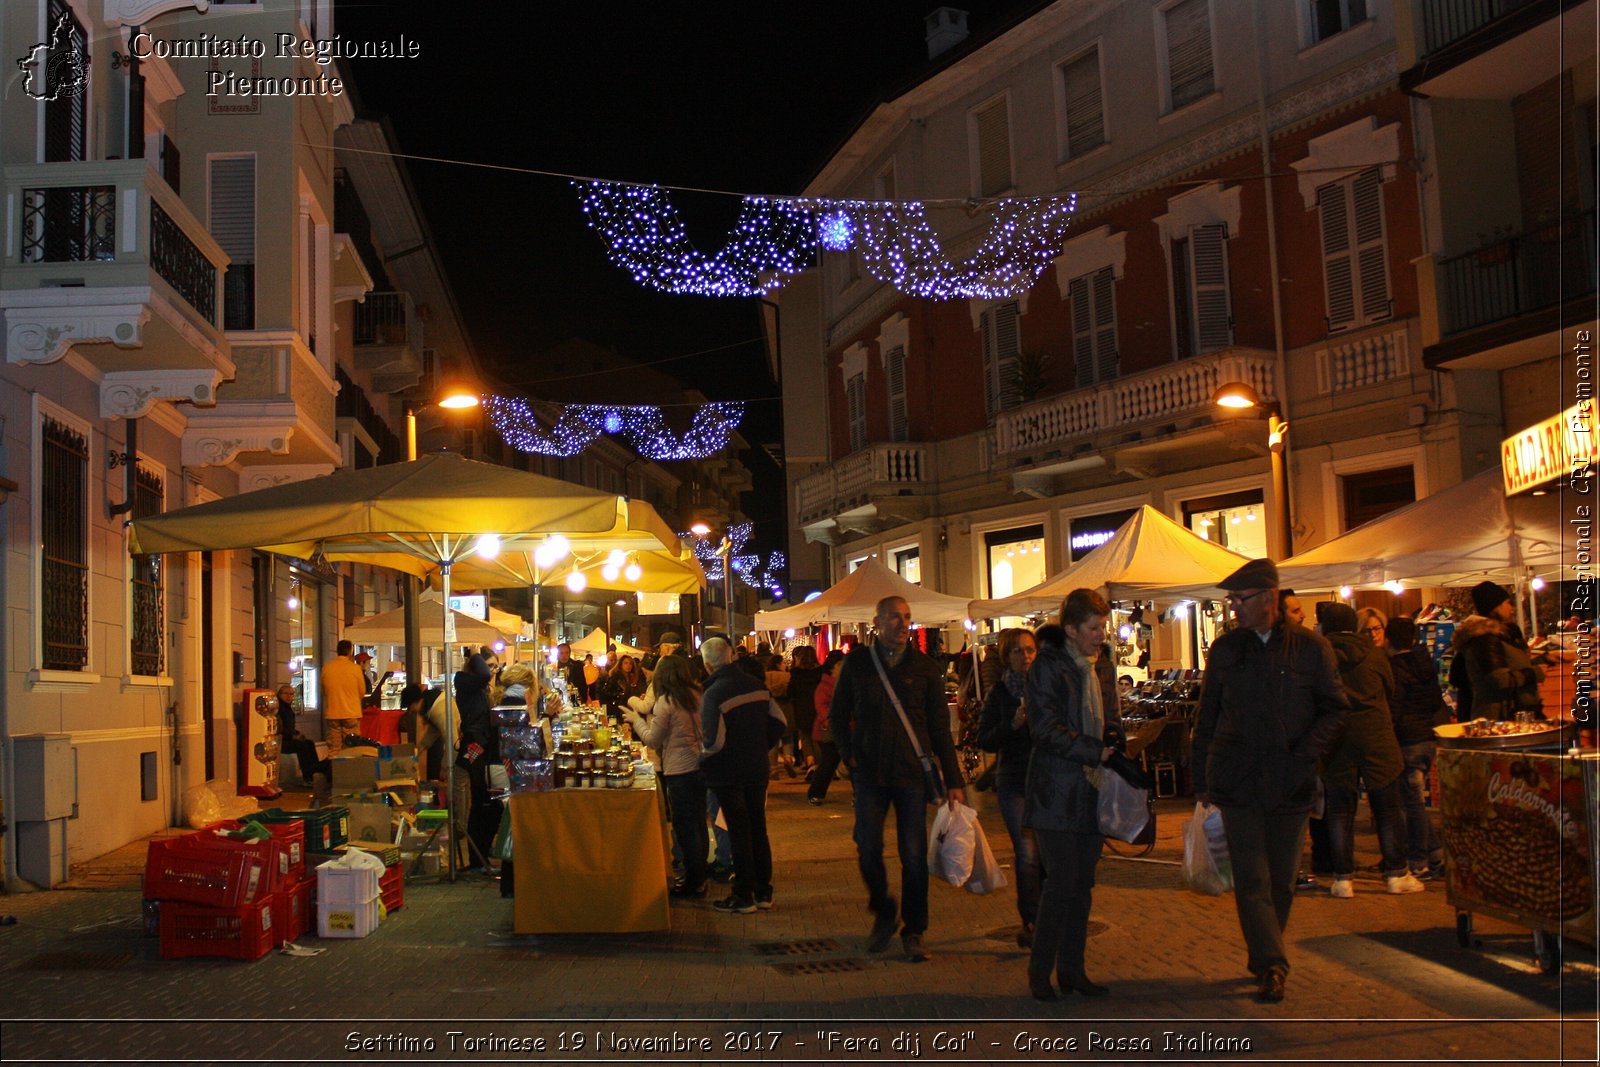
<point>796,948</point>
<point>78,961</point>
<point>820,967</point>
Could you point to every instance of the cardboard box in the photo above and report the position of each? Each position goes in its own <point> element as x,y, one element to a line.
<point>400,764</point>
<point>371,822</point>
<point>352,773</point>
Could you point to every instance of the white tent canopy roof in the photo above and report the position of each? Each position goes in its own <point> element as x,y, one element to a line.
<point>1149,555</point>
<point>855,597</point>
<point>389,628</point>
<point>1458,536</point>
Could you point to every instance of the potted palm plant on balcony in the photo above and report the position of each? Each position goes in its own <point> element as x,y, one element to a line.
<point>1032,374</point>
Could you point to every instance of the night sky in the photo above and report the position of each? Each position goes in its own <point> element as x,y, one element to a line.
<point>750,98</point>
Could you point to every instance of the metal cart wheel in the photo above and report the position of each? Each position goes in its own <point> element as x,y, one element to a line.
<point>1547,951</point>
<point>1464,929</point>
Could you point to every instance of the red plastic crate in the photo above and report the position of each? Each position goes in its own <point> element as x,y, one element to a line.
<point>243,933</point>
<point>224,874</point>
<point>289,839</point>
<point>291,910</point>
<point>392,887</point>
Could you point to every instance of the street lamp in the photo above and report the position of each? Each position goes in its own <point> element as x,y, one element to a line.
<point>456,396</point>
<point>1237,396</point>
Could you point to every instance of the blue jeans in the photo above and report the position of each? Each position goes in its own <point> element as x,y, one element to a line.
<point>911,835</point>
<point>1029,871</point>
<point>1422,840</point>
<point>1386,809</point>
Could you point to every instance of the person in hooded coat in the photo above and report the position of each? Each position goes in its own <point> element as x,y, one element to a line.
<point>1493,667</point>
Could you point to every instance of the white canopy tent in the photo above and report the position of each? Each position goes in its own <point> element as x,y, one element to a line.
<point>1458,536</point>
<point>594,641</point>
<point>511,626</point>
<point>389,628</point>
<point>1149,555</point>
<point>855,597</point>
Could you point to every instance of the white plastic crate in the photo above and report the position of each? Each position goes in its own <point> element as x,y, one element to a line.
<point>347,920</point>
<point>338,884</point>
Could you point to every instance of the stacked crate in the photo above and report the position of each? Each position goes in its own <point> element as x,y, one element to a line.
<point>215,896</point>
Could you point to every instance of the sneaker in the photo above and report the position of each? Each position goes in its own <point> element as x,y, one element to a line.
<point>1423,874</point>
<point>915,951</point>
<point>1305,883</point>
<point>684,889</point>
<point>735,905</point>
<point>815,802</point>
<point>764,899</point>
<point>1405,883</point>
<point>883,925</point>
<point>1342,888</point>
<point>722,874</point>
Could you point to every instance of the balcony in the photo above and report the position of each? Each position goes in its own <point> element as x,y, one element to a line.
<point>388,340</point>
<point>1127,405</point>
<point>1514,288</point>
<point>1492,49</point>
<point>108,263</point>
<point>882,484</point>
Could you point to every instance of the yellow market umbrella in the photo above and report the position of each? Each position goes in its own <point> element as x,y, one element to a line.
<point>420,517</point>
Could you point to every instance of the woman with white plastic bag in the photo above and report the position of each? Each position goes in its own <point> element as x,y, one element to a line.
<point>1072,712</point>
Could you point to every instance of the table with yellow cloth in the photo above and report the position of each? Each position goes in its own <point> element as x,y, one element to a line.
<point>590,861</point>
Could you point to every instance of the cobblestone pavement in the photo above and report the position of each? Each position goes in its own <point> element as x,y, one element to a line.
<point>1377,979</point>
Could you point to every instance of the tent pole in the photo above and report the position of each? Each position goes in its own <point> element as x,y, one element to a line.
<point>538,694</point>
<point>456,817</point>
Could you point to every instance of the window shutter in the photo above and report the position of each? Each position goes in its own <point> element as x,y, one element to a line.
<point>855,391</point>
<point>1107,366</point>
<point>1337,266</point>
<point>233,206</point>
<point>1082,332</point>
<point>1001,345</point>
<point>899,423</point>
<point>1371,256</point>
<point>994,149</point>
<point>1080,81</point>
<point>1189,51</point>
<point>1212,316</point>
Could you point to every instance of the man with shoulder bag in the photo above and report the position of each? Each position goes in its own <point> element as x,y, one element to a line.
<point>890,719</point>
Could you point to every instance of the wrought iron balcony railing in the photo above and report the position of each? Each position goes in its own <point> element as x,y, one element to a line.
<point>1525,272</point>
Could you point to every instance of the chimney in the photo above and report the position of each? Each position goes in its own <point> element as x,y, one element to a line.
<point>947,27</point>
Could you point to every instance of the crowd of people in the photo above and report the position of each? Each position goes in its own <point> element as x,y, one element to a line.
<point>1294,720</point>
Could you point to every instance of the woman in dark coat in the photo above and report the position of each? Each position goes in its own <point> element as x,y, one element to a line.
<point>1003,728</point>
<point>1072,712</point>
<point>478,748</point>
<point>804,675</point>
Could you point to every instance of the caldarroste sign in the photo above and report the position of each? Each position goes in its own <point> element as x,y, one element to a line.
<point>1559,446</point>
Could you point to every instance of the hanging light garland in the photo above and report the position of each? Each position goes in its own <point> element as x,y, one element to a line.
<point>748,567</point>
<point>774,238</point>
<point>580,425</point>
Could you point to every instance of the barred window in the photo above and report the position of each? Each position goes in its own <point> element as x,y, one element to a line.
<point>64,541</point>
<point>148,623</point>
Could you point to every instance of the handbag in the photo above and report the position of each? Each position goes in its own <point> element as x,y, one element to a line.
<point>1124,810</point>
<point>932,779</point>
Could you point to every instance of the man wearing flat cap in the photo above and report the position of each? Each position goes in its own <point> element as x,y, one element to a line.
<point>1271,705</point>
<point>1501,678</point>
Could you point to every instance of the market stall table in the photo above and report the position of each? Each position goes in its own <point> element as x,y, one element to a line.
<point>590,861</point>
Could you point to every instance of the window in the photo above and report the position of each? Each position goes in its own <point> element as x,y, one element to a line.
<point>908,564</point>
<point>146,642</point>
<point>1202,319</point>
<point>1081,104</point>
<point>992,129</point>
<point>1094,327</point>
<point>1187,30</point>
<point>855,398</point>
<point>1329,17</point>
<point>64,543</point>
<point>1354,259</point>
<point>1002,344</point>
<point>1371,494</point>
<point>895,369</point>
<point>232,222</point>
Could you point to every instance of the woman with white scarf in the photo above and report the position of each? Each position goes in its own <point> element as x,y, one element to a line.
<point>1072,717</point>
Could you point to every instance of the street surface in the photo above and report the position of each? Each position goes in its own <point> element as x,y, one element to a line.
<point>1376,979</point>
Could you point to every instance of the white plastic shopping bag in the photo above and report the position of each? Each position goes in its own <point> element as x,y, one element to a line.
<point>952,842</point>
<point>986,873</point>
<point>1205,852</point>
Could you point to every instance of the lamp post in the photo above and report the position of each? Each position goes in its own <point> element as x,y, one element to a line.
<point>1238,396</point>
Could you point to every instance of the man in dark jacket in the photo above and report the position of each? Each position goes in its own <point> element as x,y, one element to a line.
<point>1367,752</point>
<point>885,770</point>
<point>740,723</point>
<point>1417,707</point>
<point>1271,705</point>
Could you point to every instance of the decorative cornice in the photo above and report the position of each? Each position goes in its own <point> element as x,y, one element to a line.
<point>253,478</point>
<point>43,335</point>
<point>131,394</point>
<point>138,12</point>
<point>207,444</point>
